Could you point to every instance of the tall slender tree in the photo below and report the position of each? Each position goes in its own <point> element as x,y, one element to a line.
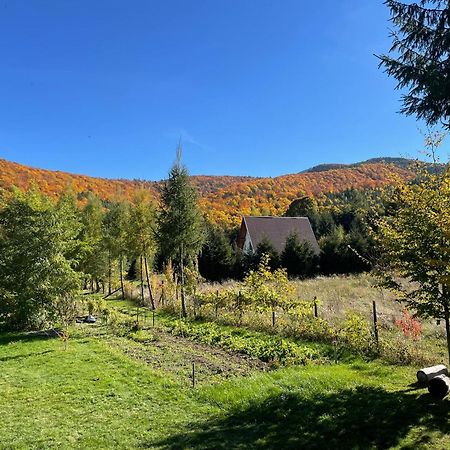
<point>141,237</point>
<point>115,226</point>
<point>180,223</point>
<point>93,261</point>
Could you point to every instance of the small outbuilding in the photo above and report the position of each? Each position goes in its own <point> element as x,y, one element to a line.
<point>276,229</point>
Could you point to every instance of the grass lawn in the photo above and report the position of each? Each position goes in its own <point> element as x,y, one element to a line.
<point>108,392</point>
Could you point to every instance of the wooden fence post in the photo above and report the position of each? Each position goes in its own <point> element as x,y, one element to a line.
<point>193,375</point>
<point>375,323</point>
<point>316,313</point>
<point>217,303</point>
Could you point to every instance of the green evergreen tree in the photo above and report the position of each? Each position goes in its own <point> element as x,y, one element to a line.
<point>266,247</point>
<point>180,223</point>
<point>216,261</point>
<point>298,257</point>
<point>421,58</point>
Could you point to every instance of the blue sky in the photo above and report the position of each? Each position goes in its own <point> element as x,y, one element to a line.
<point>252,87</point>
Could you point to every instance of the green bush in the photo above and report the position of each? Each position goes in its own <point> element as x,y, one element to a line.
<point>356,334</point>
<point>142,337</point>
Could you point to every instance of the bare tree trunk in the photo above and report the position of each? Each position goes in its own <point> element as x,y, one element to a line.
<point>183,299</point>
<point>150,292</point>
<point>109,273</point>
<point>121,277</point>
<point>142,280</point>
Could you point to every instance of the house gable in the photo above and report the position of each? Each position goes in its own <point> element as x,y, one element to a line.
<point>277,230</point>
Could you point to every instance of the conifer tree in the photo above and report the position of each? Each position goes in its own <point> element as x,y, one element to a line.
<point>266,247</point>
<point>216,261</point>
<point>180,223</point>
<point>420,60</point>
<point>298,257</point>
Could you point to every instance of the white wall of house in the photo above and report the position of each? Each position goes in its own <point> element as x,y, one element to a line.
<point>248,247</point>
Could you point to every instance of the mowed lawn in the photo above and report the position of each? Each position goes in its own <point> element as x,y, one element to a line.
<point>93,395</point>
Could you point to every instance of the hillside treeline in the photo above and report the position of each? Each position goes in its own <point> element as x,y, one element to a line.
<point>223,199</point>
<point>52,249</point>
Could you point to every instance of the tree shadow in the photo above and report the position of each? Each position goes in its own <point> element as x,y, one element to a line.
<point>364,417</point>
<point>23,356</point>
<point>10,337</point>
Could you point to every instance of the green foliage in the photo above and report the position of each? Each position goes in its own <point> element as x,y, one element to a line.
<point>180,223</point>
<point>115,227</point>
<point>298,257</point>
<point>93,258</point>
<point>266,247</point>
<point>141,227</point>
<point>257,345</point>
<point>37,262</point>
<point>143,336</point>
<point>415,244</point>
<point>420,58</point>
<point>216,262</point>
<point>356,333</point>
<point>268,290</point>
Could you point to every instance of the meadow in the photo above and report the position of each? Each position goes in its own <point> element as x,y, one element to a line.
<point>123,385</point>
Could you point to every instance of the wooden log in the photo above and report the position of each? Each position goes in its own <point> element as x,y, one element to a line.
<point>439,386</point>
<point>428,373</point>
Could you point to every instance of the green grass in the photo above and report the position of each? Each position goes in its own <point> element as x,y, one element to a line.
<point>109,391</point>
<point>89,396</point>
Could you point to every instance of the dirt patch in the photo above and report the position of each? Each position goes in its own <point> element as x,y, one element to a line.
<point>175,355</point>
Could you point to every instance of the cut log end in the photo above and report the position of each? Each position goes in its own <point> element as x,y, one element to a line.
<point>439,386</point>
<point>428,373</point>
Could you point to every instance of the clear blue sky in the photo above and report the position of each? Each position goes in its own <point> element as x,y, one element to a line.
<point>253,87</point>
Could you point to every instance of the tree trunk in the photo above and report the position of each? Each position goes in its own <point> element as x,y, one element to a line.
<point>109,273</point>
<point>183,300</point>
<point>121,277</point>
<point>150,292</point>
<point>447,326</point>
<point>142,280</point>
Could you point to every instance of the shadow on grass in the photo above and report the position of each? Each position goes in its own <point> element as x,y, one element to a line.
<point>23,356</point>
<point>365,417</point>
<point>9,337</point>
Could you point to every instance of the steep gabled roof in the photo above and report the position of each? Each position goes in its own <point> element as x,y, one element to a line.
<point>277,230</point>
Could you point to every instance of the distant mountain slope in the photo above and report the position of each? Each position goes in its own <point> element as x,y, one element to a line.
<point>223,198</point>
<point>404,163</point>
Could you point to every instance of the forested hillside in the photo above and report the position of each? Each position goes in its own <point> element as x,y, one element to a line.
<point>223,198</point>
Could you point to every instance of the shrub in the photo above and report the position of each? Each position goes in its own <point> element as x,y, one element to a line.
<point>356,333</point>
<point>409,326</point>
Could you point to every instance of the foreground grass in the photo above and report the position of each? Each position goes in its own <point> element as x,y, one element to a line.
<point>89,396</point>
<point>94,395</point>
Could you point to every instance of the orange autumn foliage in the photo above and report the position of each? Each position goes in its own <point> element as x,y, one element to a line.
<point>224,199</point>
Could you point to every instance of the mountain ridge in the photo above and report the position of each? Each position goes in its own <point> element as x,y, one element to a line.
<point>224,199</point>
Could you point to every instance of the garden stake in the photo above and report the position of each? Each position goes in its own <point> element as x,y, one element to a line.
<point>375,324</point>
